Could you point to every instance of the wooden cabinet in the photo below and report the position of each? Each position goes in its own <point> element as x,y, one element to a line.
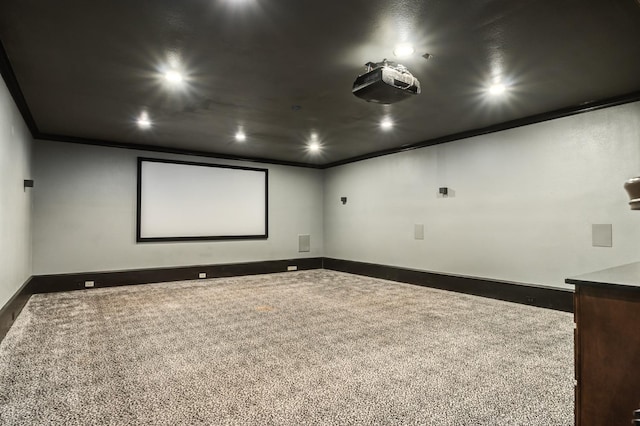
<point>607,346</point>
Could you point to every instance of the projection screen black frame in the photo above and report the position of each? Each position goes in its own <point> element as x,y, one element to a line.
<point>141,239</point>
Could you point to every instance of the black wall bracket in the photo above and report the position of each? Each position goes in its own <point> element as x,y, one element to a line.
<point>28,183</point>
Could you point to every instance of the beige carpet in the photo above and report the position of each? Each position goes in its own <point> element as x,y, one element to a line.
<point>303,348</point>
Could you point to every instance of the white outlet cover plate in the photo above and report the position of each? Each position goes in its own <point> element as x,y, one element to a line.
<point>202,275</point>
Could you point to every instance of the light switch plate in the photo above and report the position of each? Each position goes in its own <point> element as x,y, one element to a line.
<point>602,235</point>
<point>418,231</point>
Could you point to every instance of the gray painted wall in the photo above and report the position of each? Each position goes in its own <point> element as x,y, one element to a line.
<point>521,207</point>
<point>522,203</point>
<point>15,201</point>
<point>85,214</point>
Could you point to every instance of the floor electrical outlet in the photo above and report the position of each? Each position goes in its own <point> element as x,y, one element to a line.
<point>202,275</point>
<point>292,268</point>
<point>89,284</point>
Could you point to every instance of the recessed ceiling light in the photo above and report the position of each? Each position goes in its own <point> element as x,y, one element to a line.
<point>143,121</point>
<point>497,89</point>
<point>386,124</point>
<point>240,136</point>
<point>403,50</point>
<point>314,147</point>
<point>173,76</point>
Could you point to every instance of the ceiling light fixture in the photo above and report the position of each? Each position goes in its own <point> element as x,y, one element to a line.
<point>173,76</point>
<point>403,50</point>
<point>240,136</point>
<point>143,121</point>
<point>497,89</point>
<point>314,147</point>
<point>386,124</point>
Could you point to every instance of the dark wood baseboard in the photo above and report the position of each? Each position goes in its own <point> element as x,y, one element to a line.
<point>76,281</point>
<point>13,307</point>
<point>544,297</point>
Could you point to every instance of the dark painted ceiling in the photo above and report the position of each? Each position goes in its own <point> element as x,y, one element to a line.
<point>282,69</point>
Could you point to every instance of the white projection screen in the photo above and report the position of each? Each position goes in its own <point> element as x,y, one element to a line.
<point>179,200</point>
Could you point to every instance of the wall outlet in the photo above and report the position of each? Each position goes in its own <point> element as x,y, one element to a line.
<point>89,284</point>
<point>292,268</point>
<point>202,275</point>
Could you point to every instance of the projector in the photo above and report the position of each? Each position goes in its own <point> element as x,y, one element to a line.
<point>385,83</point>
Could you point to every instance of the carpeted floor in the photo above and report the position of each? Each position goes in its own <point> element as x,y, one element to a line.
<point>304,348</point>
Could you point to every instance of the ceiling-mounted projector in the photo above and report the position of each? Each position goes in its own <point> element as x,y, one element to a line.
<point>385,83</point>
